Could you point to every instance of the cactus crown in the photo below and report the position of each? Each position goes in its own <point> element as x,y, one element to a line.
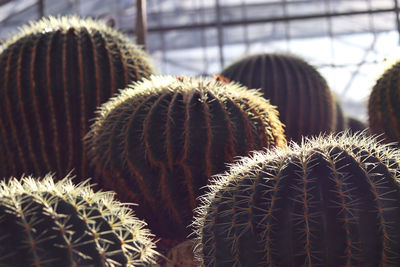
<point>43,223</point>
<point>53,75</point>
<point>332,201</point>
<point>158,142</point>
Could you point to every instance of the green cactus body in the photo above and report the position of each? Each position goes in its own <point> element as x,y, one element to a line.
<point>329,202</point>
<point>159,141</point>
<point>43,223</point>
<point>384,105</point>
<point>53,76</point>
<point>302,96</point>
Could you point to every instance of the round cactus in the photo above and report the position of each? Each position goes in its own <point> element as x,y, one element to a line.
<point>332,201</point>
<point>384,105</point>
<point>53,76</point>
<point>43,223</point>
<point>159,141</point>
<point>302,96</point>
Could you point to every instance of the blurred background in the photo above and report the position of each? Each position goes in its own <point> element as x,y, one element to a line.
<point>349,41</point>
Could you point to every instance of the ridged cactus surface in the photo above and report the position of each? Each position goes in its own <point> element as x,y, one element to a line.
<point>384,105</point>
<point>48,224</point>
<point>53,75</point>
<point>301,94</point>
<point>158,142</point>
<point>328,202</point>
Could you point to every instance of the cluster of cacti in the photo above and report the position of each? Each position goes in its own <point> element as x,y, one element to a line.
<point>53,76</point>
<point>327,202</point>
<point>158,142</point>
<point>43,223</point>
<point>302,96</point>
<point>384,105</point>
<point>332,201</point>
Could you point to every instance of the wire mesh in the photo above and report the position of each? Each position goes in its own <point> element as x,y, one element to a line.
<point>349,41</point>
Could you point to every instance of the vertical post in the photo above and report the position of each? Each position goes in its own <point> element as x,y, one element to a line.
<point>141,23</point>
<point>220,33</point>
<point>245,25</point>
<point>287,24</point>
<point>396,7</point>
<point>40,4</point>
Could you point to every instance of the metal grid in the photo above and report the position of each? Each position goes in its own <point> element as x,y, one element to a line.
<point>348,40</point>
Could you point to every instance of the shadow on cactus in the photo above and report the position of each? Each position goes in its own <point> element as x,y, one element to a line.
<point>302,96</point>
<point>53,75</point>
<point>331,201</point>
<point>384,105</point>
<point>158,142</point>
<point>43,223</point>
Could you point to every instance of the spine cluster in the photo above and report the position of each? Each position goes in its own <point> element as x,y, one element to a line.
<point>160,141</point>
<point>53,76</point>
<point>43,223</point>
<point>328,202</point>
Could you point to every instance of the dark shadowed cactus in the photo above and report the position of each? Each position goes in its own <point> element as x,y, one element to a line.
<point>158,142</point>
<point>355,125</point>
<point>48,224</point>
<point>53,76</point>
<point>302,96</point>
<point>384,105</point>
<point>329,202</point>
<point>341,118</point>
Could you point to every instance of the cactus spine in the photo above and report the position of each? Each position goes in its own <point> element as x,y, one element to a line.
<point>53,75</point>
<point>384,105</point>
<point>328,202</point>
<point>158,142</point>
<point>301,94</point>
<point>43,223</point>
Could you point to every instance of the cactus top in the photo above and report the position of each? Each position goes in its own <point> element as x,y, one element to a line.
<point>43,223</point>
<point>332,201</point>
<point>384,105</point>
<point>54,73</point>
<point>63,24</point>
<point>299,91</point>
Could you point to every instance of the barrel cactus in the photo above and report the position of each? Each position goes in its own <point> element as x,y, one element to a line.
<point>158,142</point>
<point>332,201</point>
<point>53,76</point>
<point>384,105</point>
<point>301,94</point>
<point>43,223</point>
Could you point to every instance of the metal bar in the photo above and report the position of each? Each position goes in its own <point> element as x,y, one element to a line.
<point>203,39</point>
<point>268,20</point>
<point>220,33</point>
<point>164,58</point>
<point>246,28</point>
<point>397,12</point>
<point>141,23</point>
<point>287,25</point>
<point>40,4</point>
